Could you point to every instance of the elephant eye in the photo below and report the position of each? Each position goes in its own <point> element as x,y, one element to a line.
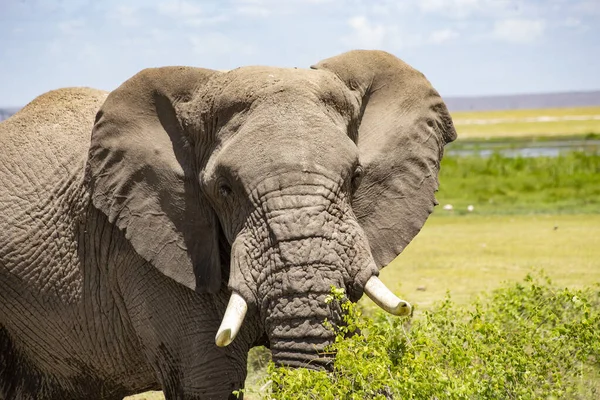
<point>357,176</point>
<point>225,190</point>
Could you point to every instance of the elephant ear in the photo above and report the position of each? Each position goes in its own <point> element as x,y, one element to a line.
<point>142,171</point>
<point>403,127</point>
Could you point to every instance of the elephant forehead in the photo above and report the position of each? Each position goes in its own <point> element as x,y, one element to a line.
<point>282,117</point>
<point>258,84</point>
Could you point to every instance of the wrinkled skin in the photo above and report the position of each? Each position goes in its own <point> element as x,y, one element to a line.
<point>119,252</point>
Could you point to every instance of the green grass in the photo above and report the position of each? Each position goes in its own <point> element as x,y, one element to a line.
<point>516,123</point>
<point>501,185</point>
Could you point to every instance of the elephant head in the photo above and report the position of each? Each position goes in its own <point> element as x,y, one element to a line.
<point>277,183</point>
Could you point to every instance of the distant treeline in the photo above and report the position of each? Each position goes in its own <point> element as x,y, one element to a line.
<point>524,101</point>
<point>7,112</point>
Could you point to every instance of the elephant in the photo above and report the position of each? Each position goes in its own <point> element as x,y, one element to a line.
<point>151,236</point>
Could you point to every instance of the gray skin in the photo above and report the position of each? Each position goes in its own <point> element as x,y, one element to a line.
<point>119,251</point>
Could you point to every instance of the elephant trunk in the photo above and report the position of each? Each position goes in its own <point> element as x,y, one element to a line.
<point>299,242</point>
<point>292,302</point>
<point>297,334</point>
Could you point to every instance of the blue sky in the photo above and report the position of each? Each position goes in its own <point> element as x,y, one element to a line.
<point>465,47</point>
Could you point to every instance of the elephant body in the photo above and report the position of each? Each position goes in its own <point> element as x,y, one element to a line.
<point>77,320</point>
<point>128,220</point>
<point>49,326</point>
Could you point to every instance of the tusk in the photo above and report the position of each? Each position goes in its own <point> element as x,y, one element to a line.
<point>384,298</point>
<point>232,320</point>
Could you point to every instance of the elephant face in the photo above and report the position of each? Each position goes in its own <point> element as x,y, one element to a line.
<point>291,121</point>
<point>277,182</point>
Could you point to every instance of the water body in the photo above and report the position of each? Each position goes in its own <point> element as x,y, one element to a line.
<point>523,148</point>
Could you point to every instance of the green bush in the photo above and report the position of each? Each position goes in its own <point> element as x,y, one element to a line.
<point>524,341</point>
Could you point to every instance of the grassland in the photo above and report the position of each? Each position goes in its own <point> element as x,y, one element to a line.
<point>471,254</point>
<point>528,113</point>
<point>529,213</point>
<point>516,123</point>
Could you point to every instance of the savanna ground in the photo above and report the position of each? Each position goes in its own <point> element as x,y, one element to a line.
<point>519,123</point>
<point>529,215</point>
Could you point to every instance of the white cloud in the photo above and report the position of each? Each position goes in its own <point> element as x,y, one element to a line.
<point>126,16</point>
<point>54,47</point>
<point>218,44</point>
<point>72,27</point>
<point>588,7</point>
<point>179,9</point>
<point>443,36</point>
<point>205,21</point>
<point>572,22</point>
<point>188,13</point>
<point>454,8</point>
<point>365,34</point>
<point>445,5</point>
<point>149,39</point>
<point>266,8</point>
<point>468,9</point>
<point>253,11</point>
<point>256,8</point>
<point>90,52</point>
<point>519,30</point>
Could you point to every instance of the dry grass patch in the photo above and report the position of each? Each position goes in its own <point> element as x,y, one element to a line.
<point>470,254</point>
<point>535,122</point>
